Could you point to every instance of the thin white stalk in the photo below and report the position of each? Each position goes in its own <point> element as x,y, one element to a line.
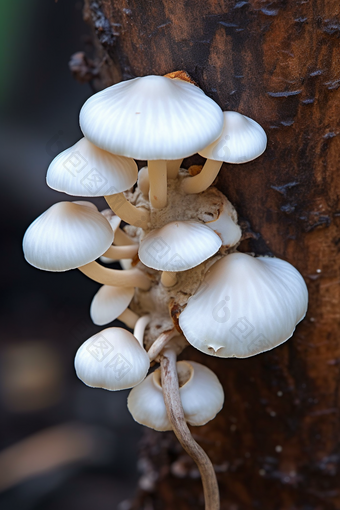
<point>140,328</point>
<point>204,179</point>
<point>168,278</point>
<point>160,343</point>
<point>122,252</point>
<point>116,277</point>
<point>143,180</point>
<point>173,167</point>
<point>136,216</point>
<point>175,413</point>
<point>158,183</point>
<point>129,318</point>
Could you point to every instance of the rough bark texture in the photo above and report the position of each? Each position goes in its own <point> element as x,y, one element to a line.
<point>275,445</point>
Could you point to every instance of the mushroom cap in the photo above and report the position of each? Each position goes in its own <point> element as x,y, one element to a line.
<point>245,306</point>
<point>150,118</point>
<point>109,303</point>
<point>112,359</point>
<point>178,246</point>
<point>201,395</point>
<point>66,236</point>
<point>242,140</point>
<point>85,170</point>
<point>225,226</point>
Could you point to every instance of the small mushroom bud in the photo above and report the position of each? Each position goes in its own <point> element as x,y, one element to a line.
<point>226,226</point>
<point>112,359</point>
<point>201,395</point>
<point>111,303</point>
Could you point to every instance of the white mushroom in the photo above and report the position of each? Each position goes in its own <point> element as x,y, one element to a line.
<point>86,170</point>
<point>69,236</point>
<point>241,140</point>
<point>201,395</point>
<point>112,359</point>
<point>110,303</point>
<point>226,225</point>
<point>245,306</point>
<point>178,246</point>
<point>152,118</point>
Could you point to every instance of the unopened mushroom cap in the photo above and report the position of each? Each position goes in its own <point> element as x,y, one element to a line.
<point>151,118</point>
<point>109,303</point>
<point>225,226</point>
<point>112,359</point>
<point>245,306</point>
<point>66,236</point>
<point>242,140</point>
<point>178,246</point>
<point>201,395</point>
<point>85,170</point>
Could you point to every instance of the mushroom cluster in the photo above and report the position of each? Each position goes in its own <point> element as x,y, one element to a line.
<point>183,280</point>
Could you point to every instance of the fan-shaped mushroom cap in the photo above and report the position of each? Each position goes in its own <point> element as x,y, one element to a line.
<point>242,140</point>
<point>112,359</point>
<point>109,303</point>
<point>201,395</point>
<point>85,170</point>
<point>151,118</point>
<point>66,236</point>
<point>225,226</point>
<point>245,306</point>
<point>178,246</point>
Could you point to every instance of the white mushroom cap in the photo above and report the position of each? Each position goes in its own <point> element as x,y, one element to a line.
<point>245,306</point>
<point>85,170</point>
<point>66,236</point>
<point>226,227</point>
<point>151,118</point>
<point>201,395</point>
<point>241,140</point>
<point>109,303</point>
<point>112,359</point>
<point>178,246</point>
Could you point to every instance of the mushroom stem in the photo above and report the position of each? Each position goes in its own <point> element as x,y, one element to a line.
<point>116,277</point>
<point>204,179</point>
<point>129,318</point>
<point>122,239</point>
<point>136,216</point>
<point>140,328</point>
<point>158,183</point>
<point>173,167</point>
<point>143,180</point>
<point>175,412</point>
<point>161,342</point>
<point>168,278</point>
<point>122,252</point>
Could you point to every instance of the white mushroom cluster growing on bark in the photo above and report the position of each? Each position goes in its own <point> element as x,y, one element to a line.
<point>183,280</point>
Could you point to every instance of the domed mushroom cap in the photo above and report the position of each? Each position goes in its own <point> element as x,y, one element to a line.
<point>85,170</point>
<point>109,303</point>
<point>151,118</point>
<point>201,395</point>
<point>242,140</point>
<point>66,236</point>
<point>112,359</point>
<point>245,306</point>
<point>178,246</point>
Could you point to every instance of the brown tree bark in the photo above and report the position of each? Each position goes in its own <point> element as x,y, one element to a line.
<point>276,444</point>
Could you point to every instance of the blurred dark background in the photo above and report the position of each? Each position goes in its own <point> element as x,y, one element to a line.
<point>62,444</point>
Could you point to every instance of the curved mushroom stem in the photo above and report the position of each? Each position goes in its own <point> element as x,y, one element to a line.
<point>204,179</point>
<point>168,278</point>
<point>175,412</point>
<point>160,343</point>
<point>129,318</point>
<point>143,180</point>
<point>121,252</point>
<point>121,238</point>
<point>158,183</point>
<point>173,167</point>
<point>116,277</point>
<point>140,328</point>
<point>136,216</point>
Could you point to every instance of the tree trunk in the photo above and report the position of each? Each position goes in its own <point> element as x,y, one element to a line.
<point>276,444</point>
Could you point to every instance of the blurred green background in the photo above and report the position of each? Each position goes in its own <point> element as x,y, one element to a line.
<point>62,444</point>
